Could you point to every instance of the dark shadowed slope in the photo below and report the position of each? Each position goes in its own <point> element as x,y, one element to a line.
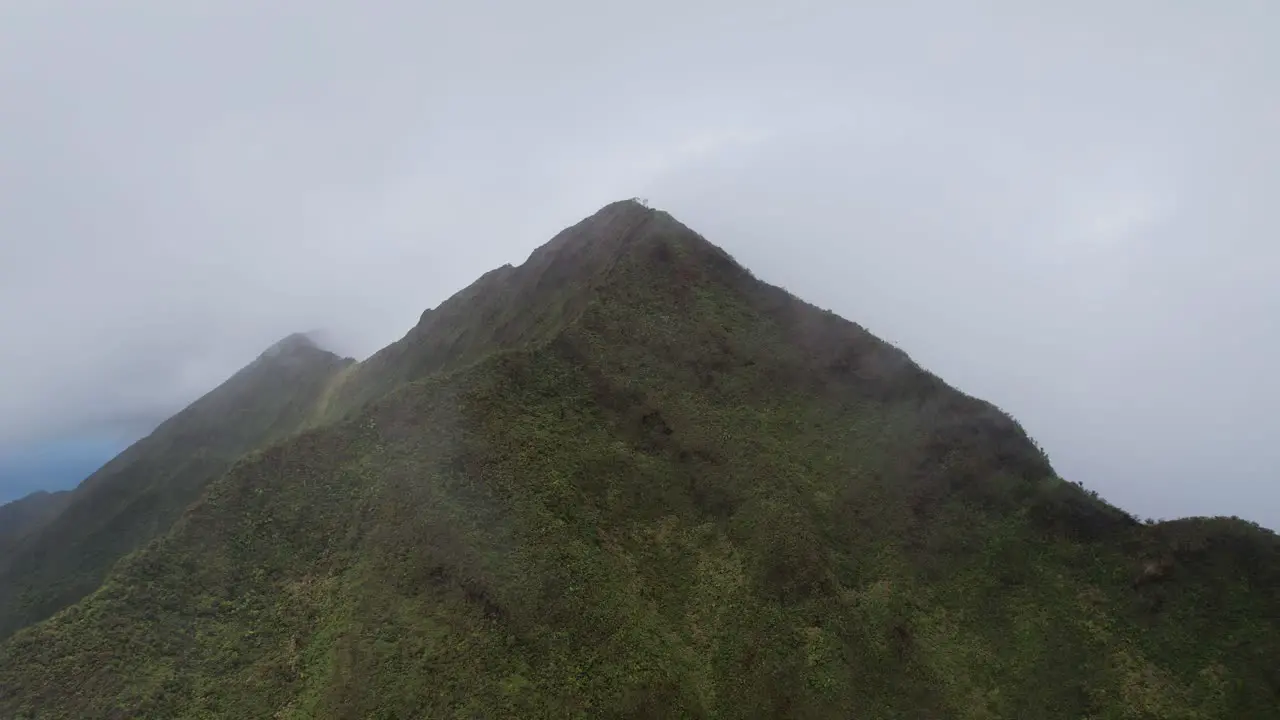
<point>26,514</point>
<point>688,495</point>
<point>137,495</point>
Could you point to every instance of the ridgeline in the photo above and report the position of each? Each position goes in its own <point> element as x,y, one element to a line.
<point>624,479</point>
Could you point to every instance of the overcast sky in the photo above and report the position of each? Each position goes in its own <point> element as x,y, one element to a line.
<point>1067,208</point>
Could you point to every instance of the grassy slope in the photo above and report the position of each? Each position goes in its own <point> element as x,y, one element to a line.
<point>700,499</point>
<point>504,309</point>
<point>139,494</point>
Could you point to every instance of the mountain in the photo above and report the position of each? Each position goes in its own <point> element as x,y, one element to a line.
<point>507,308</point>
<point>28,513</point>
<point>629,479</point>
<point>138,495</point>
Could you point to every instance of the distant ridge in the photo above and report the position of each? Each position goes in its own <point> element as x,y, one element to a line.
<point>27,514</point>
<point>137,495</point>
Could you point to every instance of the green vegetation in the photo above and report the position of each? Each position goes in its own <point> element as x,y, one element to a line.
<point>137,496</point>
<point>641,483</point>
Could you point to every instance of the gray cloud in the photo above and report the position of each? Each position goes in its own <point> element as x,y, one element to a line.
<point>1061,209</point>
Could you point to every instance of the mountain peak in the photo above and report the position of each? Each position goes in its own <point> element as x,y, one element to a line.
<point>290,344</point>
<point>742,505</point>
<point>298,347</point>
<point>609,226</point>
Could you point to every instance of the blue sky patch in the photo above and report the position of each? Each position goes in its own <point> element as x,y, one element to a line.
<point>54,465</point>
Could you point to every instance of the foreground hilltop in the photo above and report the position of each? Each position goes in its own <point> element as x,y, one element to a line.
<point>628,479</point>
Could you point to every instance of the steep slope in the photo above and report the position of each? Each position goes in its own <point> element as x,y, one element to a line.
<point>698,497</point>
<point>137,495</point>
<point>506,308</point>
<point>26,514</point>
